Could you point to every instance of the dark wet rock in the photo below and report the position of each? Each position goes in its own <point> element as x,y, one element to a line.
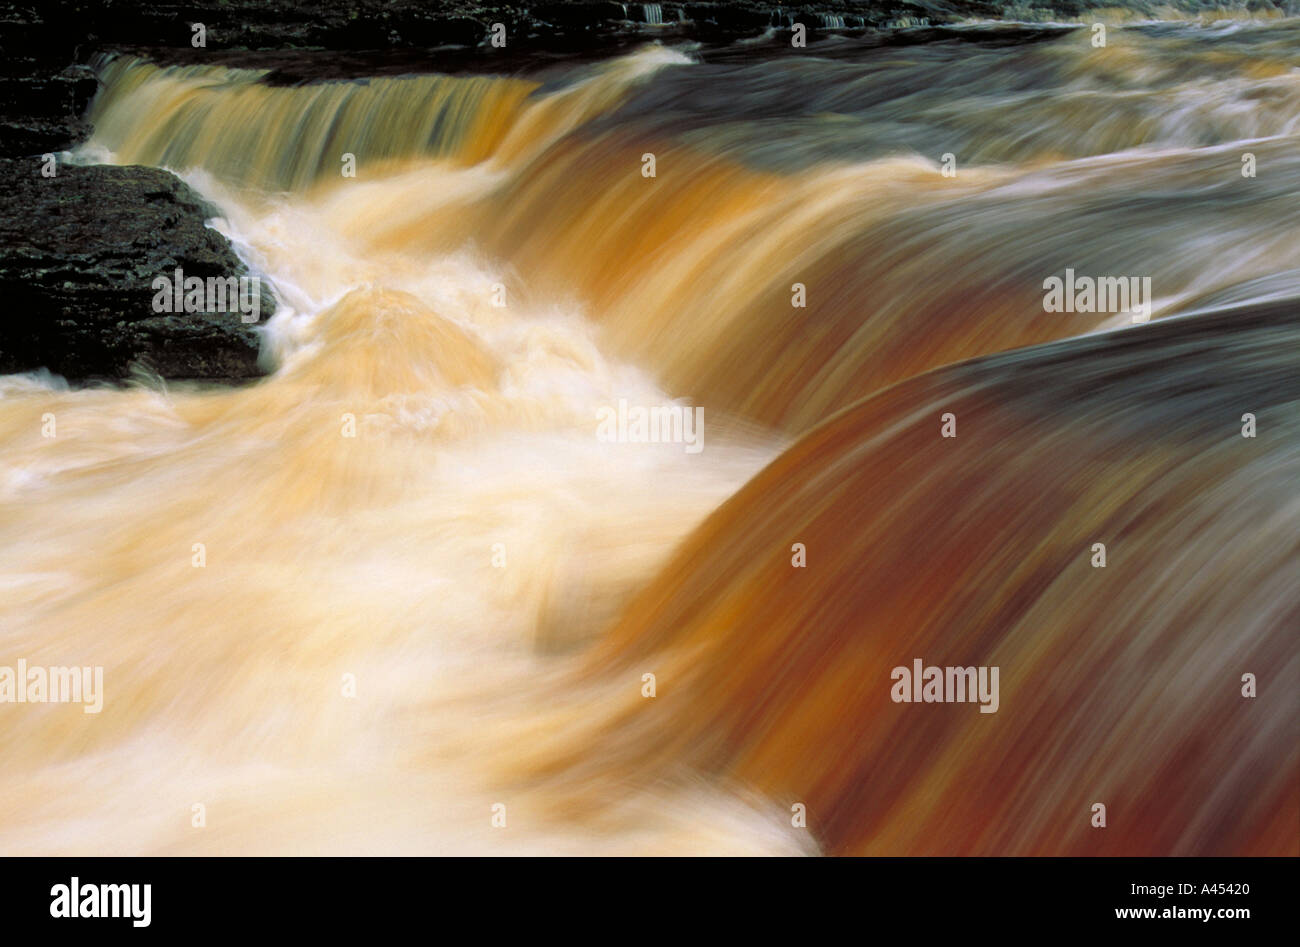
<point>34,134</point>
<point>731,16</point>
<point>40,40</point>
<point>43,92</point>
<point>80,252</point>
<point>581,14</point>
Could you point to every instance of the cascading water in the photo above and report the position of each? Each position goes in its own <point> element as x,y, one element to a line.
<point>415,502</point>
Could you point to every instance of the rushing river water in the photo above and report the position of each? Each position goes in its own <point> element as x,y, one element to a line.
<point>402,587</point>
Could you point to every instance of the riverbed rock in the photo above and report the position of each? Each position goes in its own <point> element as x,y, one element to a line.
<point>80,252</point>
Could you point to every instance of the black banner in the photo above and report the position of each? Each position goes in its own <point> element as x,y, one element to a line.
<point>172,896</point>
